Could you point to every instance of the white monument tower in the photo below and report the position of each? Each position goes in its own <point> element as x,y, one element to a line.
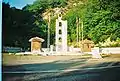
<point>61,34</point>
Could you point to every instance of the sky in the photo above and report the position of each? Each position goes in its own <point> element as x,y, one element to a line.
<point>18,3</point>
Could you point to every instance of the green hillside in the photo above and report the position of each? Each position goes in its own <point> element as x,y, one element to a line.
<point>100,18</point>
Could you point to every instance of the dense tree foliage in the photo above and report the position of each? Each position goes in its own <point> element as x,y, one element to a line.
<point>101,20</point>
<point>19,26</point>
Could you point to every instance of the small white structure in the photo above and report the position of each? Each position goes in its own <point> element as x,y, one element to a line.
<point>71,48</point>
<point>51,49</point>
<point>61,34</point>
<point>95,53</point>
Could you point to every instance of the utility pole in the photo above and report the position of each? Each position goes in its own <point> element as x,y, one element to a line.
<point>82,31</point>
<point>77,30</point>
<point>82,35</point>
<point>48,38</point>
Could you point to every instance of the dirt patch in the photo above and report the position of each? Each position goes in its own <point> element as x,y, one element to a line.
<point>30,59</point>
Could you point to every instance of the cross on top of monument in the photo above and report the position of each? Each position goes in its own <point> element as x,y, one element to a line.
<point>60,16</point>
<point>60,13</point>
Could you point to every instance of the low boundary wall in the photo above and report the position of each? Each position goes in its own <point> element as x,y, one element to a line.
<point>77,51</point>
<point>111,50</point>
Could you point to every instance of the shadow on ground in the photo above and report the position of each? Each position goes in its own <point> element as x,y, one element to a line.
<point>111,74</point>
<point>105,74</point>
<point>56,65</point>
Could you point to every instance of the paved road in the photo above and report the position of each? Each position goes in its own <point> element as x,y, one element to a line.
<point>65,70</point>
<point>105,74</point>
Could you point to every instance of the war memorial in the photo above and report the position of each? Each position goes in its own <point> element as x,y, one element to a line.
<point>60,61</point>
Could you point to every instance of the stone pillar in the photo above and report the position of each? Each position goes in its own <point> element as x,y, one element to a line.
<point>64,36</point>
<point>61,35</point>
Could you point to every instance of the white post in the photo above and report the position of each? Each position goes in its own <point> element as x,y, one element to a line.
<point>51,49</point>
